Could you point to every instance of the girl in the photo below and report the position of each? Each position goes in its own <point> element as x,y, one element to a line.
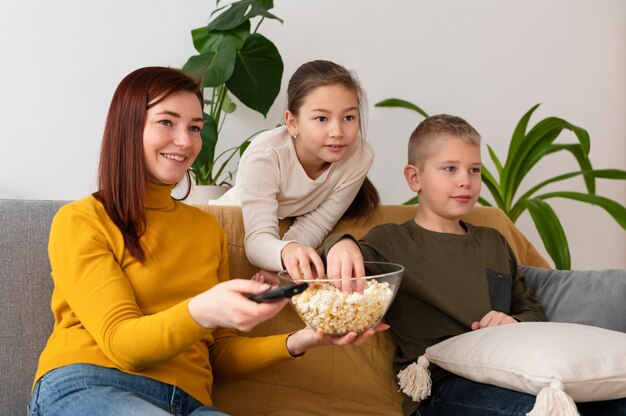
<point>142,300</point>
<point>311,169</point>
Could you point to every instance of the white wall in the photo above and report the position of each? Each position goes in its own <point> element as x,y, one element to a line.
<point>488,61</point>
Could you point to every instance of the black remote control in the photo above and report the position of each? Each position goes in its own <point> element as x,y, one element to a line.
<point>278,293</point>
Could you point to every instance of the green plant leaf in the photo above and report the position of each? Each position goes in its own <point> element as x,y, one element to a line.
<point>243,147</point>
<point>518,208</point>
<point>213,68</point>
<point>202,167</point>
<point>412,201</point>
<point>495,160</point>
<point>494,188</point>
<point>551,232</point>
<point>608,173</point>
<point>532,149</point>
<point>204,41</point>
<point>582,157</point>
<point>615,209</point>
<point>228,106</point>
<point>257,74</point>
<point>268,4</point>
<point>396,102</point>
<point>234,14</point>
<point>200,38</point>
<point>519,133</point>
<point>482,201</point>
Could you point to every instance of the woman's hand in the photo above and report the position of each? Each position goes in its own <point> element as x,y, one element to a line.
<point>297,259</point>
<point>225,305</point>
<point>493,318</point>
<point>344,261</point>
<point>307,338</point>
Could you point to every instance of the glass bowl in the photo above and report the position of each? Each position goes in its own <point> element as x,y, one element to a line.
<point>324,306</point>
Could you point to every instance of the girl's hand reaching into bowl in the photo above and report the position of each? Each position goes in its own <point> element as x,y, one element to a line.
<point>302,262</point>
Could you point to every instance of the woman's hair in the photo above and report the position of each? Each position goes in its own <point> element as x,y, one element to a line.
<point>312,75</point>
<point>122,175</point>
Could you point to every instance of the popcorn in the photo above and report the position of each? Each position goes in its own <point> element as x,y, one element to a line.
<point>325,307</point>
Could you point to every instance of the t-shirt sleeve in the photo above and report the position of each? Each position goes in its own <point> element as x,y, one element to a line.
<point>88,275</point>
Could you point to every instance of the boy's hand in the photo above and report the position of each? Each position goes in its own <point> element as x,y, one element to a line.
<point>344,260</point>
<point>493,318</point>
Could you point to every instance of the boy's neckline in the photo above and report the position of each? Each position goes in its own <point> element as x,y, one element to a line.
<point>462,228</point>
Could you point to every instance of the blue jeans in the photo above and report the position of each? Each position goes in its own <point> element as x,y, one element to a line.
<point>84,389</point>
<point>454,395</point>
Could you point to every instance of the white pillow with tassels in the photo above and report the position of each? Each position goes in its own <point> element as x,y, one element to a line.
<point>557,362</point>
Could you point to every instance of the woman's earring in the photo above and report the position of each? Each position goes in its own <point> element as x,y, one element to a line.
<point>295,136</point>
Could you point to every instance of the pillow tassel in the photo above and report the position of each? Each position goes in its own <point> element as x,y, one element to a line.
<point>415,380</point>
<point>553,401</point>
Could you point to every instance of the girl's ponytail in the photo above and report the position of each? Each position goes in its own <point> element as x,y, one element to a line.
<point>365,202</point>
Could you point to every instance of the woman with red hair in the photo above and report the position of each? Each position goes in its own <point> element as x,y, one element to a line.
<point>145,313</point>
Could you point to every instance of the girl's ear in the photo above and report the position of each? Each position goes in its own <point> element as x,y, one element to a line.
<point>412,176</point>
<point>292,123</point>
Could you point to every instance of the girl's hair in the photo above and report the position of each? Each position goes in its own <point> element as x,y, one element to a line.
<point>122,176</point>
<point>312,75</point>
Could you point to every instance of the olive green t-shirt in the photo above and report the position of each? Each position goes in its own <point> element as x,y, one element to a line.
<point>449,281</point>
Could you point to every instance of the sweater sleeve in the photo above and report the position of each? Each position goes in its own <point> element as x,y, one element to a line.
<point>311,229</point>
<point>86,270</point>
<point>232,355</point>
<point>259,206</point>
<point>260,188</point>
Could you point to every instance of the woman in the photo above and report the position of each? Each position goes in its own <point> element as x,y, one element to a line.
<point>144,312</point>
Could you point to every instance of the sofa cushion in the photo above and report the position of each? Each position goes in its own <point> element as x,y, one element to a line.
<point>25,296</point>
<point>332,380</point>
<point>587,362</point>
<point>328,381</point>
<point>595,297</point>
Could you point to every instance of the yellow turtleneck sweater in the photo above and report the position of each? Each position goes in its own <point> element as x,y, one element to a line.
<point>112,311</point>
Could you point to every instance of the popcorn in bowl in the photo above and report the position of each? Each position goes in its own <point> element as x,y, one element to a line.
<point>324,306</point>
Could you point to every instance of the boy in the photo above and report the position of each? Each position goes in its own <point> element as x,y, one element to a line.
<point>458,277</point>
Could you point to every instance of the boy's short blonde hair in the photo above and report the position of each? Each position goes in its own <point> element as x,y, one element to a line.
<point>433,130</point>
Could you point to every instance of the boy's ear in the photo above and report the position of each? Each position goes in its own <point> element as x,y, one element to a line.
<point>290,122</point>
<point>411,174</point>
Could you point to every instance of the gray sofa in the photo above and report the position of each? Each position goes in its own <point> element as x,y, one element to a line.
<point>24,296</point>
<point>26,286</point>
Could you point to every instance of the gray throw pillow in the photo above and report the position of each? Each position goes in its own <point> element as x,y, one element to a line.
<point>595,297</point>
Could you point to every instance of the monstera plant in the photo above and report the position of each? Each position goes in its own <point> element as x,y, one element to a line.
<point>527,147</point>
<point>232,59</point>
